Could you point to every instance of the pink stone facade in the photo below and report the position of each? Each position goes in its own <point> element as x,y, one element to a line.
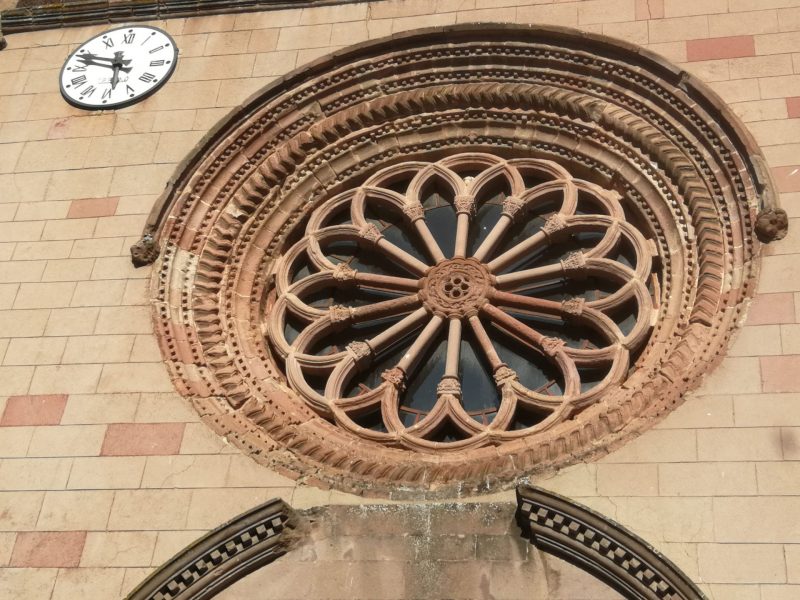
<point>106,472</point>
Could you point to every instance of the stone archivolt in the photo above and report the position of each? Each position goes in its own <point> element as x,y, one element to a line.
<point>668,168</point>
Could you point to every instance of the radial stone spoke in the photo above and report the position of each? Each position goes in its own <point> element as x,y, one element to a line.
<point>388,308</point>
<point>398,331</point>
<point>431,245</point>
<point>462,231</point>
<point>519,279</point>
<point>426,337</point>
<point>524,248</point>
<point>539,305</point>
<point>485,342</point>
<point>495,235</point>
<point>399,255</point>
<point>386,283</point>
<point>453,348</point>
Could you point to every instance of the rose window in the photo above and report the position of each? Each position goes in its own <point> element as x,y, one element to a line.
<point>446,260</point>
<point>462,302</point>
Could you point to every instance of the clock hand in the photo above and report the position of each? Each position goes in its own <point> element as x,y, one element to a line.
<point>117,66</point>
<point>91,60</point>
<point>117,57</point>
<point>115,77</point>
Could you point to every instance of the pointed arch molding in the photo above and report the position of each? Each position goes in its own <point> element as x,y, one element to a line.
<point>601,547</point>
<point>592,116</point>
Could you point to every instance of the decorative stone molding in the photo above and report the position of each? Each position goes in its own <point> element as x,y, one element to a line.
<point>225,555</point>
<point>633,153</point>
<point>600,547</point>
<point>45,14</point>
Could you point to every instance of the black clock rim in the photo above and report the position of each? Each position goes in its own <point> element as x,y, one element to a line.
<point>125,103</point>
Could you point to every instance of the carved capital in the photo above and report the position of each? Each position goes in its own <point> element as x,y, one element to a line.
<point>512,205</point>
<point>551,345</point>
<point>414,211</point>
<point>449,385</point>
<point>395,377</point>
<point>464,205</point>
<point>343,272</point>
<point>359,350</point>
<point>340,314</point>
<point>574,261</point>
<point>772,224</point>
<point>504,374</point>
<point>554,225</point>
<point>573,306</point>
<point>370,232</point>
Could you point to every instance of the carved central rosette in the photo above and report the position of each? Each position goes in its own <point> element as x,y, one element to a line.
<point>456,288</point>
<point>462,302</point>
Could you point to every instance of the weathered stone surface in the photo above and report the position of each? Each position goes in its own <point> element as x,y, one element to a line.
<point>434,551</point>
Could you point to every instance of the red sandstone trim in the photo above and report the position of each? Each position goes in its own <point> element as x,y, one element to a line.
<point>33,410</point>
<point>48,549</point>
<point>142,439</point>
<point>769,309</point>
<point>787,178</point>
<point>793,107</point>
<point>92,207</point>
<point>736,46</point>
<point>779,373</point>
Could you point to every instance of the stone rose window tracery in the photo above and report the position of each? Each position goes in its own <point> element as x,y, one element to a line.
<point>462,302</point>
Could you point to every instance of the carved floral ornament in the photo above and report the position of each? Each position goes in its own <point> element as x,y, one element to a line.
<point>456,258</point>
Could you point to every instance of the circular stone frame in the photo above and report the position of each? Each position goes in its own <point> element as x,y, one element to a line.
<point>609,112</point>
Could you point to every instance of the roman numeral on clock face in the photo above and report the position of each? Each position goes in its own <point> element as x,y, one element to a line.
<point>156,49</point>
<point>108,42</point>
<point>147,77</point>
<point>128,38</point>
<point>106,94</point>
<point>156,63</point>
<point>79,80</point>
<point>88,91</point>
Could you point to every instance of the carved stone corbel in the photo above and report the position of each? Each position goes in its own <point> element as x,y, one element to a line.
<point>144,252</point>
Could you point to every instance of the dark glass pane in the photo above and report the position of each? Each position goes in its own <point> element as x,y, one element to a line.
<point>441,217</point>
<point>370,420</point>
<point>481,397</point>
<point>397,230</point>
<point>420,395</point>
<point>448,432</point>
<point>360,260</point>
<point>534,370</point>
<point>388,359</point>
<point>526,416</point>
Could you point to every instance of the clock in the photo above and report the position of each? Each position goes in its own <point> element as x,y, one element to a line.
<point>118,67</point>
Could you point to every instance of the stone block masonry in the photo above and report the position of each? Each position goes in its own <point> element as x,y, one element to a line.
<point>92,435</point>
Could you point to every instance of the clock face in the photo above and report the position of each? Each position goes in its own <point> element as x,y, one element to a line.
<point>118,67</point>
